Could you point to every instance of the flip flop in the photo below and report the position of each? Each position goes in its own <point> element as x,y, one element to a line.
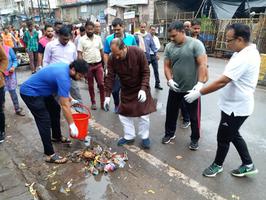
<point>63,140</point>
<point>56,159</point>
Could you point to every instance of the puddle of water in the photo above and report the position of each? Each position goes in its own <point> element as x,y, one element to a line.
<point>95,187</point>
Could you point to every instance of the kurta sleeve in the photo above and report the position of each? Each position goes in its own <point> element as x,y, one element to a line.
<point>109,81</point>
<point>145,71</point>
<point>3,60</point>
<point>3,65</point>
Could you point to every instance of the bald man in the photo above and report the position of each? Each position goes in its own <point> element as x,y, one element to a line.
<point>136,99</point>
<point>187,26</point>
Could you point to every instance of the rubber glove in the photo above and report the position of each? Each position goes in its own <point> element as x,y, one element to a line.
<point>192,96</point>
<point>74,132</point>
<point>106,103</point>
<point>198,86</point>
<point>173,85</point>
<point>142,96</point>
<point>74,101</point>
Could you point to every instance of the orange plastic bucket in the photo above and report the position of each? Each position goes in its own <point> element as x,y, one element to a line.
<point>81,120</point>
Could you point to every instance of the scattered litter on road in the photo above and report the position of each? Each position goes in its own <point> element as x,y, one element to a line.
<point>53,188</point>
<point>54,183</point>
<point>55,167</point>
<point>22,166</point>
<point>151,191</point>
<point>178,157</point>
<point>52,174</point>
<point>235,197</point>
<point>32,190</point>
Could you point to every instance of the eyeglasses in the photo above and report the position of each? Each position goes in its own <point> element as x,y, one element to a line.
<point>230,40</point>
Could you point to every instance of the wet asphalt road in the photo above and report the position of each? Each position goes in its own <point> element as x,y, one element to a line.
<point>148,175</point>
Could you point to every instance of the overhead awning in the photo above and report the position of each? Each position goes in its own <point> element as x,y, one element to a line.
<point>225,9</point>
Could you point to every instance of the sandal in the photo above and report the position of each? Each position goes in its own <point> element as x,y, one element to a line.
<point>56,159</point>
<point>20,112</point>
<point>63,140</point>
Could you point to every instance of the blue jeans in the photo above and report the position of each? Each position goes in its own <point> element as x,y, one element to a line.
<point>14,97</point>
<point>154,63</point>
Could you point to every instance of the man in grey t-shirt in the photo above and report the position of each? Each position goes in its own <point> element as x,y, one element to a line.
<point>185,68</point>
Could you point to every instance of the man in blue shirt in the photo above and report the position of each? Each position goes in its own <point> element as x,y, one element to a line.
<point>129,40</point>
<point>147,44</point>
<point>37,93</point>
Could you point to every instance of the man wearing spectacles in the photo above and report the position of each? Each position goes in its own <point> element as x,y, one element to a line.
<point>238,83</point>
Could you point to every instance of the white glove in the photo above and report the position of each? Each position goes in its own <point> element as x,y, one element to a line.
<point>105,70</point>
<point>173,85</point>
<point>73,130</point>
<point>106,104</point>
<point>74,101</point>
<point>192,96</point>
<point>142,96</point>
<point>198,86</point>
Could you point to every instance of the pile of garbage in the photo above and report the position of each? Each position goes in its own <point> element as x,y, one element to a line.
<point>22,58</point>
<point>97,160</point>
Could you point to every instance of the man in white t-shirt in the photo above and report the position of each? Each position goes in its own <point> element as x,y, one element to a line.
<point>238,81</point>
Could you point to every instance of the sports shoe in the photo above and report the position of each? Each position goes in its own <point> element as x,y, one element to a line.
<point>167,139</point>
<point>123,141</point>
<point>158,87</point>
<point>20,112</point>
<point>194,145</point>
<point>244,170</point>
<point>146,143</point>
<point>185,125</point>
<point>212,170</point>
<point>93,107</point>
<point>2,137</point>
<point>116,109</point>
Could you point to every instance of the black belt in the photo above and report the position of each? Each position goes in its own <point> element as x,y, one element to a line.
<point>95,63</point>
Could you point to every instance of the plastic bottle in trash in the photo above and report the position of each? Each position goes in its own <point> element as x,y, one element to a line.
<point>87,141</point>
<point>110,167</point>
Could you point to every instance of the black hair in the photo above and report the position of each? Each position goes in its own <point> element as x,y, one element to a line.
<point>70,26</point>
<point>89,23</point>
<point>47,26</point>
<point>65,31</point>
<point>195,22</point>
<point>29,23</point>
<point>117,21</point>
<point>82,29</point>
<point>152,26</point>
<point>177,25</point>
<point>119,43</point>
<point>80,66</point>
<point>58,23</point>
<point>240,30</point>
